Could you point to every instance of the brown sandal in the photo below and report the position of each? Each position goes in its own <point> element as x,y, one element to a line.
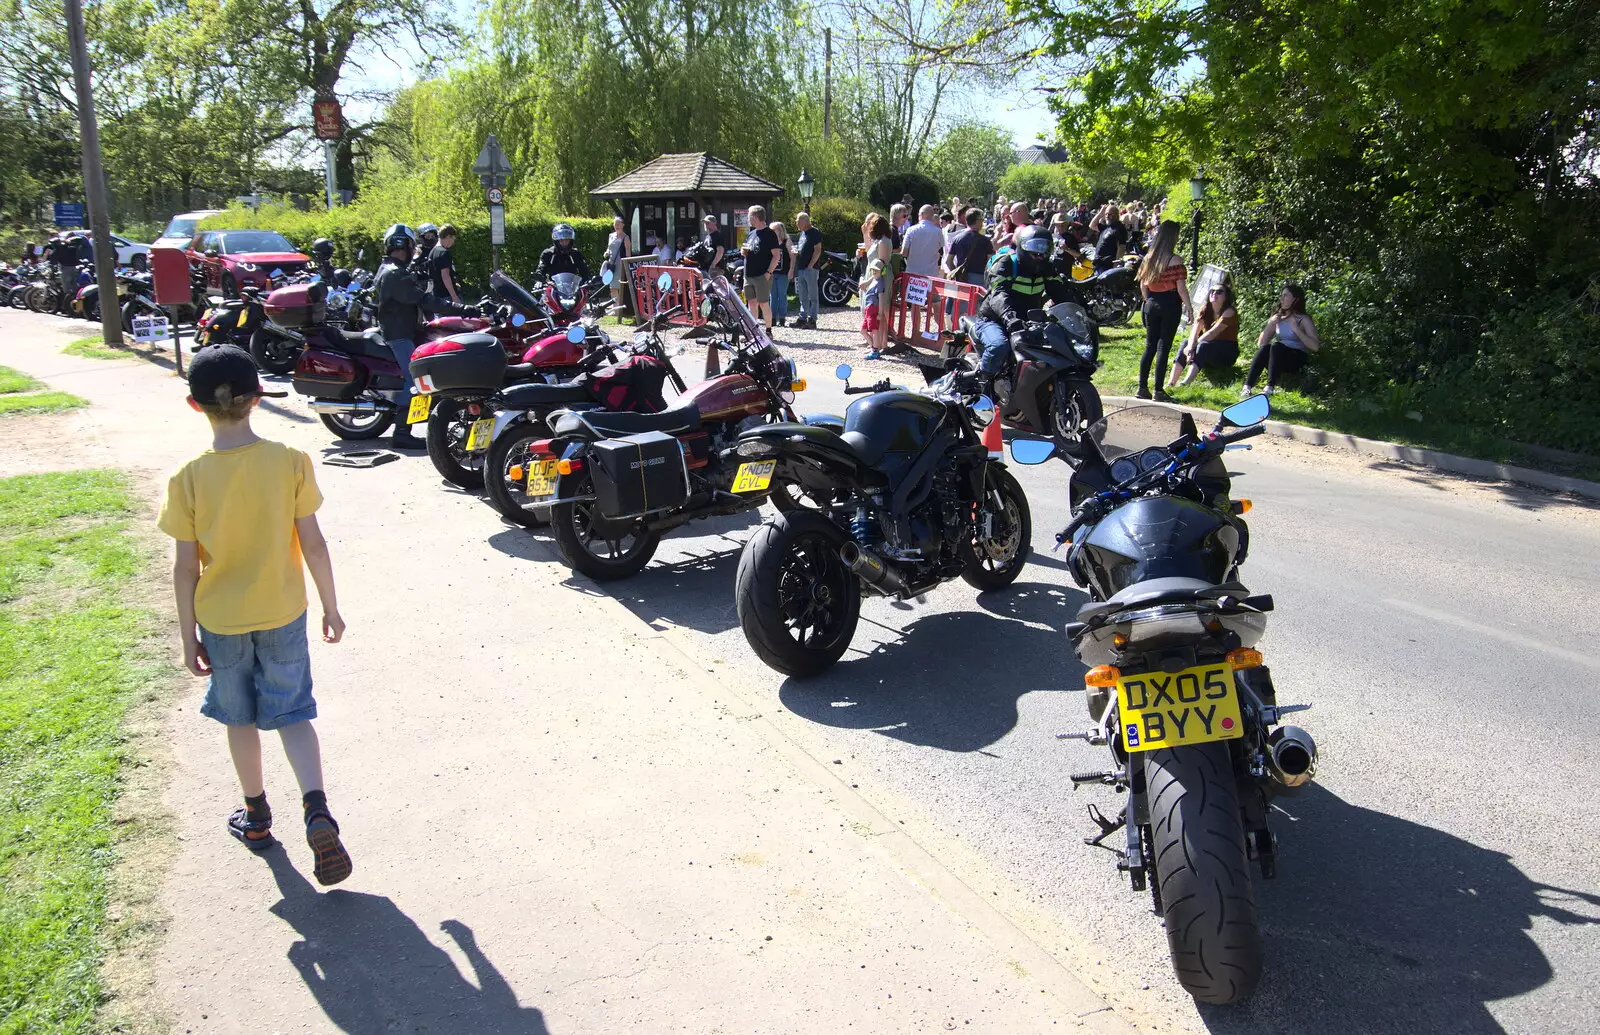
<point>255,833</point>
<point>322,834</point>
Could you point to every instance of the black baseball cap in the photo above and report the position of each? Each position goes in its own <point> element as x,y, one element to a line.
<point>218,365</point>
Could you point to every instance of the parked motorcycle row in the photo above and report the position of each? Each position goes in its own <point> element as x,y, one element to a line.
<point>563,427</point>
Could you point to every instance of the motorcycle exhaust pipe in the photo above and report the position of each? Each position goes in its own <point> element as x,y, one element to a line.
<point>1293,756</point>
<point>871,569</point>
<point>362,406</point>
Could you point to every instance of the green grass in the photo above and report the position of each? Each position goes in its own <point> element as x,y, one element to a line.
<point>39,402</point>
<point>94,347</point>
<point>1121,347</point>
<point>17,381</point>
<point>72,655</point>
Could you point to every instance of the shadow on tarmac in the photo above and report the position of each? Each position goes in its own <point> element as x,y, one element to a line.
<point>373,971</point>
<point>952,679</point>
<point>1379,925</point>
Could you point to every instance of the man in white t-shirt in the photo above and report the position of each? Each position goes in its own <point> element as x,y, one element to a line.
<point>923,247</point>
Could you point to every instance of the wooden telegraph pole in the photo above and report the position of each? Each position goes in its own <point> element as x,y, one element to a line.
<point>827,83</point>
<point>94,180</point>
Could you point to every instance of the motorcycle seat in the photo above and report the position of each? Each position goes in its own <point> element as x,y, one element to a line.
<point>366,343</point>
<point>869,452</point>
<point>616,423</point>
<point>1160,591</point>
<point>537,396</point>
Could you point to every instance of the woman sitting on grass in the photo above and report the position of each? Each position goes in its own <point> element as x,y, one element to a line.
<point>1213,338</point>
<point>1287,341</point>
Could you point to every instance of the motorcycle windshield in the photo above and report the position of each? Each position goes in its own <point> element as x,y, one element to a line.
<point>1134,429</point>
<point>566,285</point>
<point>755,334</point>
<point>509,291</point>
<point>1073,317</point>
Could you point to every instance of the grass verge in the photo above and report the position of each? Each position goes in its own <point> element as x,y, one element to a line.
<point>17,381</point>
<point>73,655</point>
<point>1121,347</point>
<point>40,402</point>
<point>94,347</point>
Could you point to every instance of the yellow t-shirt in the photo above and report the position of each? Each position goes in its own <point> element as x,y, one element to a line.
<point>240,505</point>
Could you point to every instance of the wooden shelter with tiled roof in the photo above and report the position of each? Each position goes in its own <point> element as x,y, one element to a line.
<point>671,193</point>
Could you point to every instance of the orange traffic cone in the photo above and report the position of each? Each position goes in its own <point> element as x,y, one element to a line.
<point>992,440</point>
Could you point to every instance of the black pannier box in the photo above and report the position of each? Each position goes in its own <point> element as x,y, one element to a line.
<point>640,474</point>
<point>465,364</point>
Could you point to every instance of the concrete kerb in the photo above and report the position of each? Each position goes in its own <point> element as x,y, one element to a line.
<point>1449,462</point>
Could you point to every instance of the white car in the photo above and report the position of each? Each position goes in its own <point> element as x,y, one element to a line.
<point>131,253</point>
<point>184,226</point>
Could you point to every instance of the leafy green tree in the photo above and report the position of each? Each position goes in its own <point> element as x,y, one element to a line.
<point>970,157</point>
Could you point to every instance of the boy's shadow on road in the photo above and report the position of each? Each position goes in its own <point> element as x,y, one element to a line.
<point>373,970</point>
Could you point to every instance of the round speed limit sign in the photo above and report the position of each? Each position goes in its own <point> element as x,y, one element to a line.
<point>496,196</point>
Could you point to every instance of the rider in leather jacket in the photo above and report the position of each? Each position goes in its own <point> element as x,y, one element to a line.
<point>1021,278</point>
<point>562,256</point>
<point>400,301</point>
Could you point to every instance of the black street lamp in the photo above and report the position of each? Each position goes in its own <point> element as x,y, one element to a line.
<point>1197,193</point>
<point>806,185</point>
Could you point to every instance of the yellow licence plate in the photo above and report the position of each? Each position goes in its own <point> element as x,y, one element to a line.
<point>754,477</point>
<point>541,477</point>
<point>479,435</point>
<point>1171,709</point>
<point>420,405</point>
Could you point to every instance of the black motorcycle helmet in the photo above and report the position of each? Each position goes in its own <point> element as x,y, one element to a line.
<point>322,249</point>
<point>1033,246</point>
<point>562,235</point>
<point>341,277</point>
<point>399,236</point>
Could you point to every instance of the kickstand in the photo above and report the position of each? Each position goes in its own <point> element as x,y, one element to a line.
<point>1107,827</point>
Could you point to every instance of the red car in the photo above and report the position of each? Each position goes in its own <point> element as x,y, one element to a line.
<point>232,259</point>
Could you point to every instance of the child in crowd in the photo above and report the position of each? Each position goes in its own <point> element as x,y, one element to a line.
<point>244,514</point>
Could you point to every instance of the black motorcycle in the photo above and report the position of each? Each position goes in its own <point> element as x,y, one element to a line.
<point>837,282</point>
<point>1176,687</point>
<point>1045,385</point>
<point>1112,295</point>
<point>904,497</point>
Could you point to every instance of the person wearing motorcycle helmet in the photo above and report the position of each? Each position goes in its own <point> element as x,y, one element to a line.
<point>1021,278</point>
<point>562,256</point>
<point>427,238</point>
<point>401,299</point>
<point>322,258</point>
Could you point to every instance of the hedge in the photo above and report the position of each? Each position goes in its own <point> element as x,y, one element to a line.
<point>353,231</point>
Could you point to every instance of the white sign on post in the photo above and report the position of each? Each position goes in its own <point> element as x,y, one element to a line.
<point>497,224</point>
<point>917,290</point>
<point>147,330</point>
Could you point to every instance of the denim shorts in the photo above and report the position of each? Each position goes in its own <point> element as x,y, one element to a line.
<point>260,679</point>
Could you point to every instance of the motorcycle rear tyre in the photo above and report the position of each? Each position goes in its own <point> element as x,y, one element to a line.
<point>1203,871</point>
<point>495,486</point>
<point>835,291</point>
<point>445,413</point>
<point>758,585</point>
<point>273,353</point>
<point>563,528</point>
<point>334,422</point>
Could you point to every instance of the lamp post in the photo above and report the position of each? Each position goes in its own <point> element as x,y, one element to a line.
<point>806,185</point>
<point>1197,193</point>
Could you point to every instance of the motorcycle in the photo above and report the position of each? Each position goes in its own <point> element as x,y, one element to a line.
<point>565,296</point>
<point>519,457</point>
<point>1110,295</point>
<point>837,282</point>
<point>1176,688</point>
<point>1045,387</point>
<point>463,395</point>
<point>904,497</point>
<point>623,478</point>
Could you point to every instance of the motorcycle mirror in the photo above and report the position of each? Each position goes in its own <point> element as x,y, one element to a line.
<point>275,274</point>
<point>664,282</point>
<point>843,371</point>
<point>1248,412</point>
<point>607,277</point>
<point>576,333</point>
<point>1031,451</point>
<point>983,408</point>
<point>517,319</point>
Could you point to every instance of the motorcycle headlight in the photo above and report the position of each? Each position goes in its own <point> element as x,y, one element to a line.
<point>1084,349</point>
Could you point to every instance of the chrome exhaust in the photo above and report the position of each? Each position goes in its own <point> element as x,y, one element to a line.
<point>353,406</point>
<point>1293,756</point>
<point>871,569</point>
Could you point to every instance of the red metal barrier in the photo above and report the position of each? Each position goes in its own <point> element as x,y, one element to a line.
<point>918,318</point>
<point>685,293</point>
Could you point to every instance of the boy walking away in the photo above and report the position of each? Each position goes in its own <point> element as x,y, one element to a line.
<point>244,514</point>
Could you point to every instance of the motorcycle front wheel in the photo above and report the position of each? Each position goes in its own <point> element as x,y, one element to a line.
<point>998,557</point>
<point>1202,871</point>
<point>1074,406</point>
<point>835,291</point>
<point>595,546</point>
<point>510,451</point>
<point>798,604</point>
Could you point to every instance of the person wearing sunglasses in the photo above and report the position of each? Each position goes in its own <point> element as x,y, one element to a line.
<point>1213,337</point>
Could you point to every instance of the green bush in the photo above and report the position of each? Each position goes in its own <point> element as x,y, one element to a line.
<point>887,190</point>
<point>839,219</point>
<point>354,230</point>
